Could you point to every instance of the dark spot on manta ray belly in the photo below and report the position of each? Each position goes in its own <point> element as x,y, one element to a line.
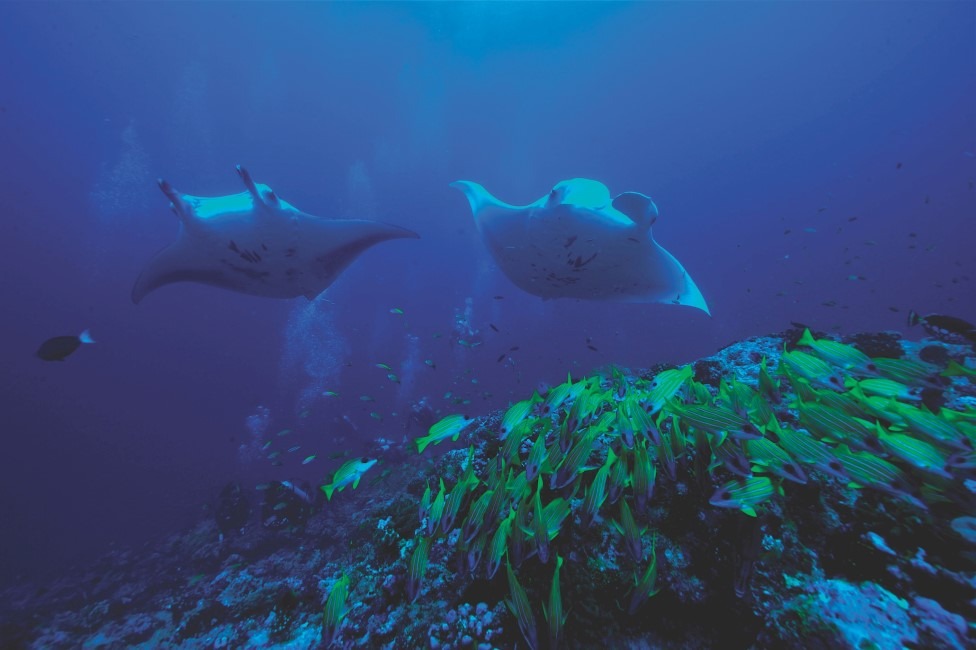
<point>580,262</point>
<point>250,256</point>
<point>251,274</point>
<point>559,281</point>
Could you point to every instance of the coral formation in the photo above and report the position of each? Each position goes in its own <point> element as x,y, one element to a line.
<point>788,492</point>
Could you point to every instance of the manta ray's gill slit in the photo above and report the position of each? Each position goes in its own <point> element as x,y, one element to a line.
<point>579,262</point>
<point>559,281</point>
<point>251,274</point>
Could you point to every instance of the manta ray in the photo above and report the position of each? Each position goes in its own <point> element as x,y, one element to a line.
<point>256,243</point>
<point>578,242</point>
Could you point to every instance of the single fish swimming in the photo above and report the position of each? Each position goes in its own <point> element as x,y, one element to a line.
<point>60,347</point>
<point>944,328</point>
<point>349,474</point>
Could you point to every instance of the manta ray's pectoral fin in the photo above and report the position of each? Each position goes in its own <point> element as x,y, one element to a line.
<point>479,198</point>
<point>639,207</point>
<point>340,242</point>
<point>692,296</point>
<point>169,266</point>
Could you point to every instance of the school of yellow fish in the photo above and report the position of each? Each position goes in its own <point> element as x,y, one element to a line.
<point>592,448</point>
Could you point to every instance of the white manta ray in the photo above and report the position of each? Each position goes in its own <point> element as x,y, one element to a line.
<point>256,243</point>
<point>577,242</point>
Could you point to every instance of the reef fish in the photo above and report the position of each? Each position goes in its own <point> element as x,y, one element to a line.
<point>579,242</point>
<point>60,347</point>
<point>744,494</point>
<point>839,354</point>
<point>945,328</point>
<point>449,427</point>
<point>349,474</point>
<point>256,243</point>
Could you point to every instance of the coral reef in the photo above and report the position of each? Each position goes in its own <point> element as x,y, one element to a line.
<point>788,492</point>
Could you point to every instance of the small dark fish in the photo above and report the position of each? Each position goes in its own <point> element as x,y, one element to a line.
<point>499,297</point>
<point>592,348</point>
<point>787,231</point>
<point>513,348</point>
<point>492,327</point>
<point>59,347</point>
<point>898,166</point>
<point>852,218</point>
<point>501,357</point>
<point>947,328</point>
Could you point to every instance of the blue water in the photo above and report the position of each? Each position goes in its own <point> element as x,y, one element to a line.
<point>812,162</point>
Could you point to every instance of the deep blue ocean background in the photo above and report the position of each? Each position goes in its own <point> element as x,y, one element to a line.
<point>812,162</point>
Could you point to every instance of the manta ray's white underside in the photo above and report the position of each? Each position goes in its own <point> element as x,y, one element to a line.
<point>578,242</point>
<point>256,243</point>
